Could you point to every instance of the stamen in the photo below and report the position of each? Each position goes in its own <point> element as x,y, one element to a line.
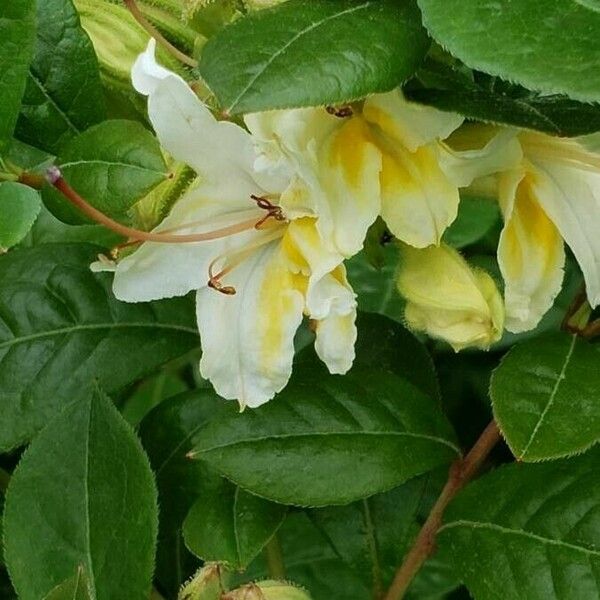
<point>141,19</point>
<point>341,112</point>
<point>273,211</point>
<point>233,260</point>
<point>55,178</point>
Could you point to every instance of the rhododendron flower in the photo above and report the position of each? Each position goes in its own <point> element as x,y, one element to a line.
<point>385,156</point>
<point>448,299</point>
<point>264,268</point>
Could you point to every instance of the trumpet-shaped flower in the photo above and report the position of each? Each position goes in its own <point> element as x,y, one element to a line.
<point>385,156</point>
<point>554,195</point>
<point>448,299</point>
<point>259,268</point>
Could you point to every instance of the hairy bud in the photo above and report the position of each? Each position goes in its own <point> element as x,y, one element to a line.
<point>206,584</point>
<point>268,590</point>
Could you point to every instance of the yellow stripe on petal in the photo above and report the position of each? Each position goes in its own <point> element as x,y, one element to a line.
<point>530,254</point>
<point>418,200</point>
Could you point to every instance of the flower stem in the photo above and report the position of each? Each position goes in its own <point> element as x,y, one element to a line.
<point>461,472</point>
<point>141,19</point>
<point>274,556</point>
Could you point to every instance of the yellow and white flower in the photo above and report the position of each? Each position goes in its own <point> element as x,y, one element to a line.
<point>448,299</point>
<point>385,157</point>
<point>553,196</point>
<point>271,267</point>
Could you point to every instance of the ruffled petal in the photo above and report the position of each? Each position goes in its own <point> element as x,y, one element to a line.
<point>418,200</point>
<point>334,344</point>
<point>248,338</point>
<point>476,151</point>
<point>530,253</point>
<point>408,123</point>
<point>567,186</point>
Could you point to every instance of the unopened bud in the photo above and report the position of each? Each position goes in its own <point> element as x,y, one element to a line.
<point>206,584</point>
<point>448,299</point>
<point>268,590</point>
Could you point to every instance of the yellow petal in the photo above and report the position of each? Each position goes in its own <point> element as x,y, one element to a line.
<point>407,123</point>
<point>418,202</point>
<point>530,253</point>
<point>448,299</point>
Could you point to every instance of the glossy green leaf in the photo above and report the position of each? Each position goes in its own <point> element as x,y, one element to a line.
<point>373,535</point>
<point>64,95</point>
<point>529,531</point>
<point>476,217</point>
<point>112,165</point>
<point>229,525</point>
<point>17,41</point>
<point>330,440</point>
<point>524,41</point>
<point>74,588</point>
<point>346,49</point>
<point>61,329</point>
<point>166,434</point>
<point>82,495</point>
<point>19,207</point>
<point>546,397</point>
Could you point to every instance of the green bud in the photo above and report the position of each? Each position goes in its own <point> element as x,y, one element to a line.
<point>268,590</point>
<point>206,584</point>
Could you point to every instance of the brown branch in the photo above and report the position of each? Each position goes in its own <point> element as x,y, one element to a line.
<point>157,35</point>
<point>461,472</point>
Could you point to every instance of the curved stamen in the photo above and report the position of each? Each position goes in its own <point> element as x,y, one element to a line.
<point>233,260</point>
<point>273,211</point>
<point>55,178</point>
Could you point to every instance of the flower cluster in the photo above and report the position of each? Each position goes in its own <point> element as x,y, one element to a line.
<point>292,194</point>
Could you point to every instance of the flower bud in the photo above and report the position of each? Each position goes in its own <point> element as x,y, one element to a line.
<point>448,299</point>
<point>206,584</point>
<point>268,590</point>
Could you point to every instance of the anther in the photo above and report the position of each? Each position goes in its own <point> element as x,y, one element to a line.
<point>342,112</point>
<point>215,284</point>
<point>273,211</point>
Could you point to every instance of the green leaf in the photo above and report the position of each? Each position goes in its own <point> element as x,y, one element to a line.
<point>476,217</point>
<point>529,531</point>
<point>74,588</point>
<point>373,535</point>
<point>61,329</point>
<point>523,41</point>
<point>545,396</point>
<point>166,434</point>
<point>112,165</point>
<point>19,207</point>
<point>229,525</point>
<point>64,95</point>
<point>17,32</point>
<point>346,49</point>
<point>553,114</point>
<point>82,495</point>
<point>330,440</point>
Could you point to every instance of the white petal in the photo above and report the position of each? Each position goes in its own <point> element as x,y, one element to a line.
<point>222,153</point>
<point>248,338</point>
<point>412,125</point>
<point>162,270</point>
<point>567,186</point>
<point>418,200</point>
<point>530,254</point>
<point>334,344</point>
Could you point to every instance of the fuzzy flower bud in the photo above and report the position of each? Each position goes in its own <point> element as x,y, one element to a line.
<point>268,590</point>
<point>448,299</point>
